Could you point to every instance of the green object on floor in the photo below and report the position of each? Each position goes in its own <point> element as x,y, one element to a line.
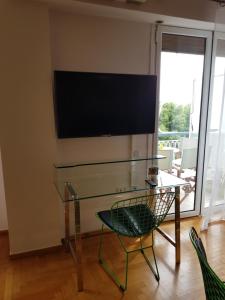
<point>214,287</point>
<point>135,218</point>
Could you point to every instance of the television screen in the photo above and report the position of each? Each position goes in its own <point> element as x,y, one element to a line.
<point>97,104</point>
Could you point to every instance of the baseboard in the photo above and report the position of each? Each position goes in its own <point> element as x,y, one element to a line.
<point>94,233</point>
<point>44,251</point>
<point>4,232</point>
<point>53,249</point>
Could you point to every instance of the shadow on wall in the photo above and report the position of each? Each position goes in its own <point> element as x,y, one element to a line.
<point>3,214</point>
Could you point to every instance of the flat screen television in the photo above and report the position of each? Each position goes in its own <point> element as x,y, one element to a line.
<point>102,104</point>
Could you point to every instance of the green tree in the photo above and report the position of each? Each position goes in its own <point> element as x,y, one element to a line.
<point>174,117</point>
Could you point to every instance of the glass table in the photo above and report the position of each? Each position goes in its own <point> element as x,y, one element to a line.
<point>81,181</point>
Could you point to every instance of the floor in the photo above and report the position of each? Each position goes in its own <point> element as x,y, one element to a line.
<point>53,276</point>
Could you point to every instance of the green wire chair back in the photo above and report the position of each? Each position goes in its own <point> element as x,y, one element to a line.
<point>137,216</point>
<point>214,287</point>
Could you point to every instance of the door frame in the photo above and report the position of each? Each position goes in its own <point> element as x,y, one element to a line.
<point>156,49</point>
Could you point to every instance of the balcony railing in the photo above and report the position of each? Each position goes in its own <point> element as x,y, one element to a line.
<point>169,143</point>
<point>165,139</point>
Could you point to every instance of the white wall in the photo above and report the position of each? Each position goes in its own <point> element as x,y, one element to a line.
<point>84,43</point>
<point>27,138</point>
<point>3,213</point>
<point>27,135</point>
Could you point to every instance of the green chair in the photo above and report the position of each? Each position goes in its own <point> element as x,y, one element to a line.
<point>135,218</point>
<point>214,287</point>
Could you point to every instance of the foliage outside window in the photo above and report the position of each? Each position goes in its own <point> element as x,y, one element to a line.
<point>174,118</point>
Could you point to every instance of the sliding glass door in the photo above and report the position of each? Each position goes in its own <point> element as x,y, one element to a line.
<point>183,59</point>
<point>214,173</point>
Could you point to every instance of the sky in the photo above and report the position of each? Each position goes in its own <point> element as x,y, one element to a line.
<point>179,73</point>
<point>181,81</point>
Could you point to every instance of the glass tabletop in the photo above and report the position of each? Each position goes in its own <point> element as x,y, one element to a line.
<point>108,162</point>
<point>98,179</point>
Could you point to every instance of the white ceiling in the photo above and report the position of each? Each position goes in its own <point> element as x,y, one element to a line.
<point>126,11</point>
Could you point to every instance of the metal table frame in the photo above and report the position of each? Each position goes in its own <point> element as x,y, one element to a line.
<point>77,254</point>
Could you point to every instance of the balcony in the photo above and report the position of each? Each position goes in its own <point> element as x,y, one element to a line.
<point>181,157</point>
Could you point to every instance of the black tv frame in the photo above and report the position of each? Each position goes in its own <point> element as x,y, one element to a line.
<point>72,116</point>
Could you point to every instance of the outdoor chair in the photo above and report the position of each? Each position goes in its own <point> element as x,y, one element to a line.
<point>186,165</point>
<point>135,218</point>
<point>188,160</point>
<point>214,287</point>
<point>166,164</point>
<point>186,168</point>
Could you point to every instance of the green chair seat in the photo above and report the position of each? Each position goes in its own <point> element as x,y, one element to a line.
<point>133,221</point>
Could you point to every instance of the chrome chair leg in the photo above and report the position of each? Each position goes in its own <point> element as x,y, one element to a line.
<point>155,270</point>
<point>106,267</point>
